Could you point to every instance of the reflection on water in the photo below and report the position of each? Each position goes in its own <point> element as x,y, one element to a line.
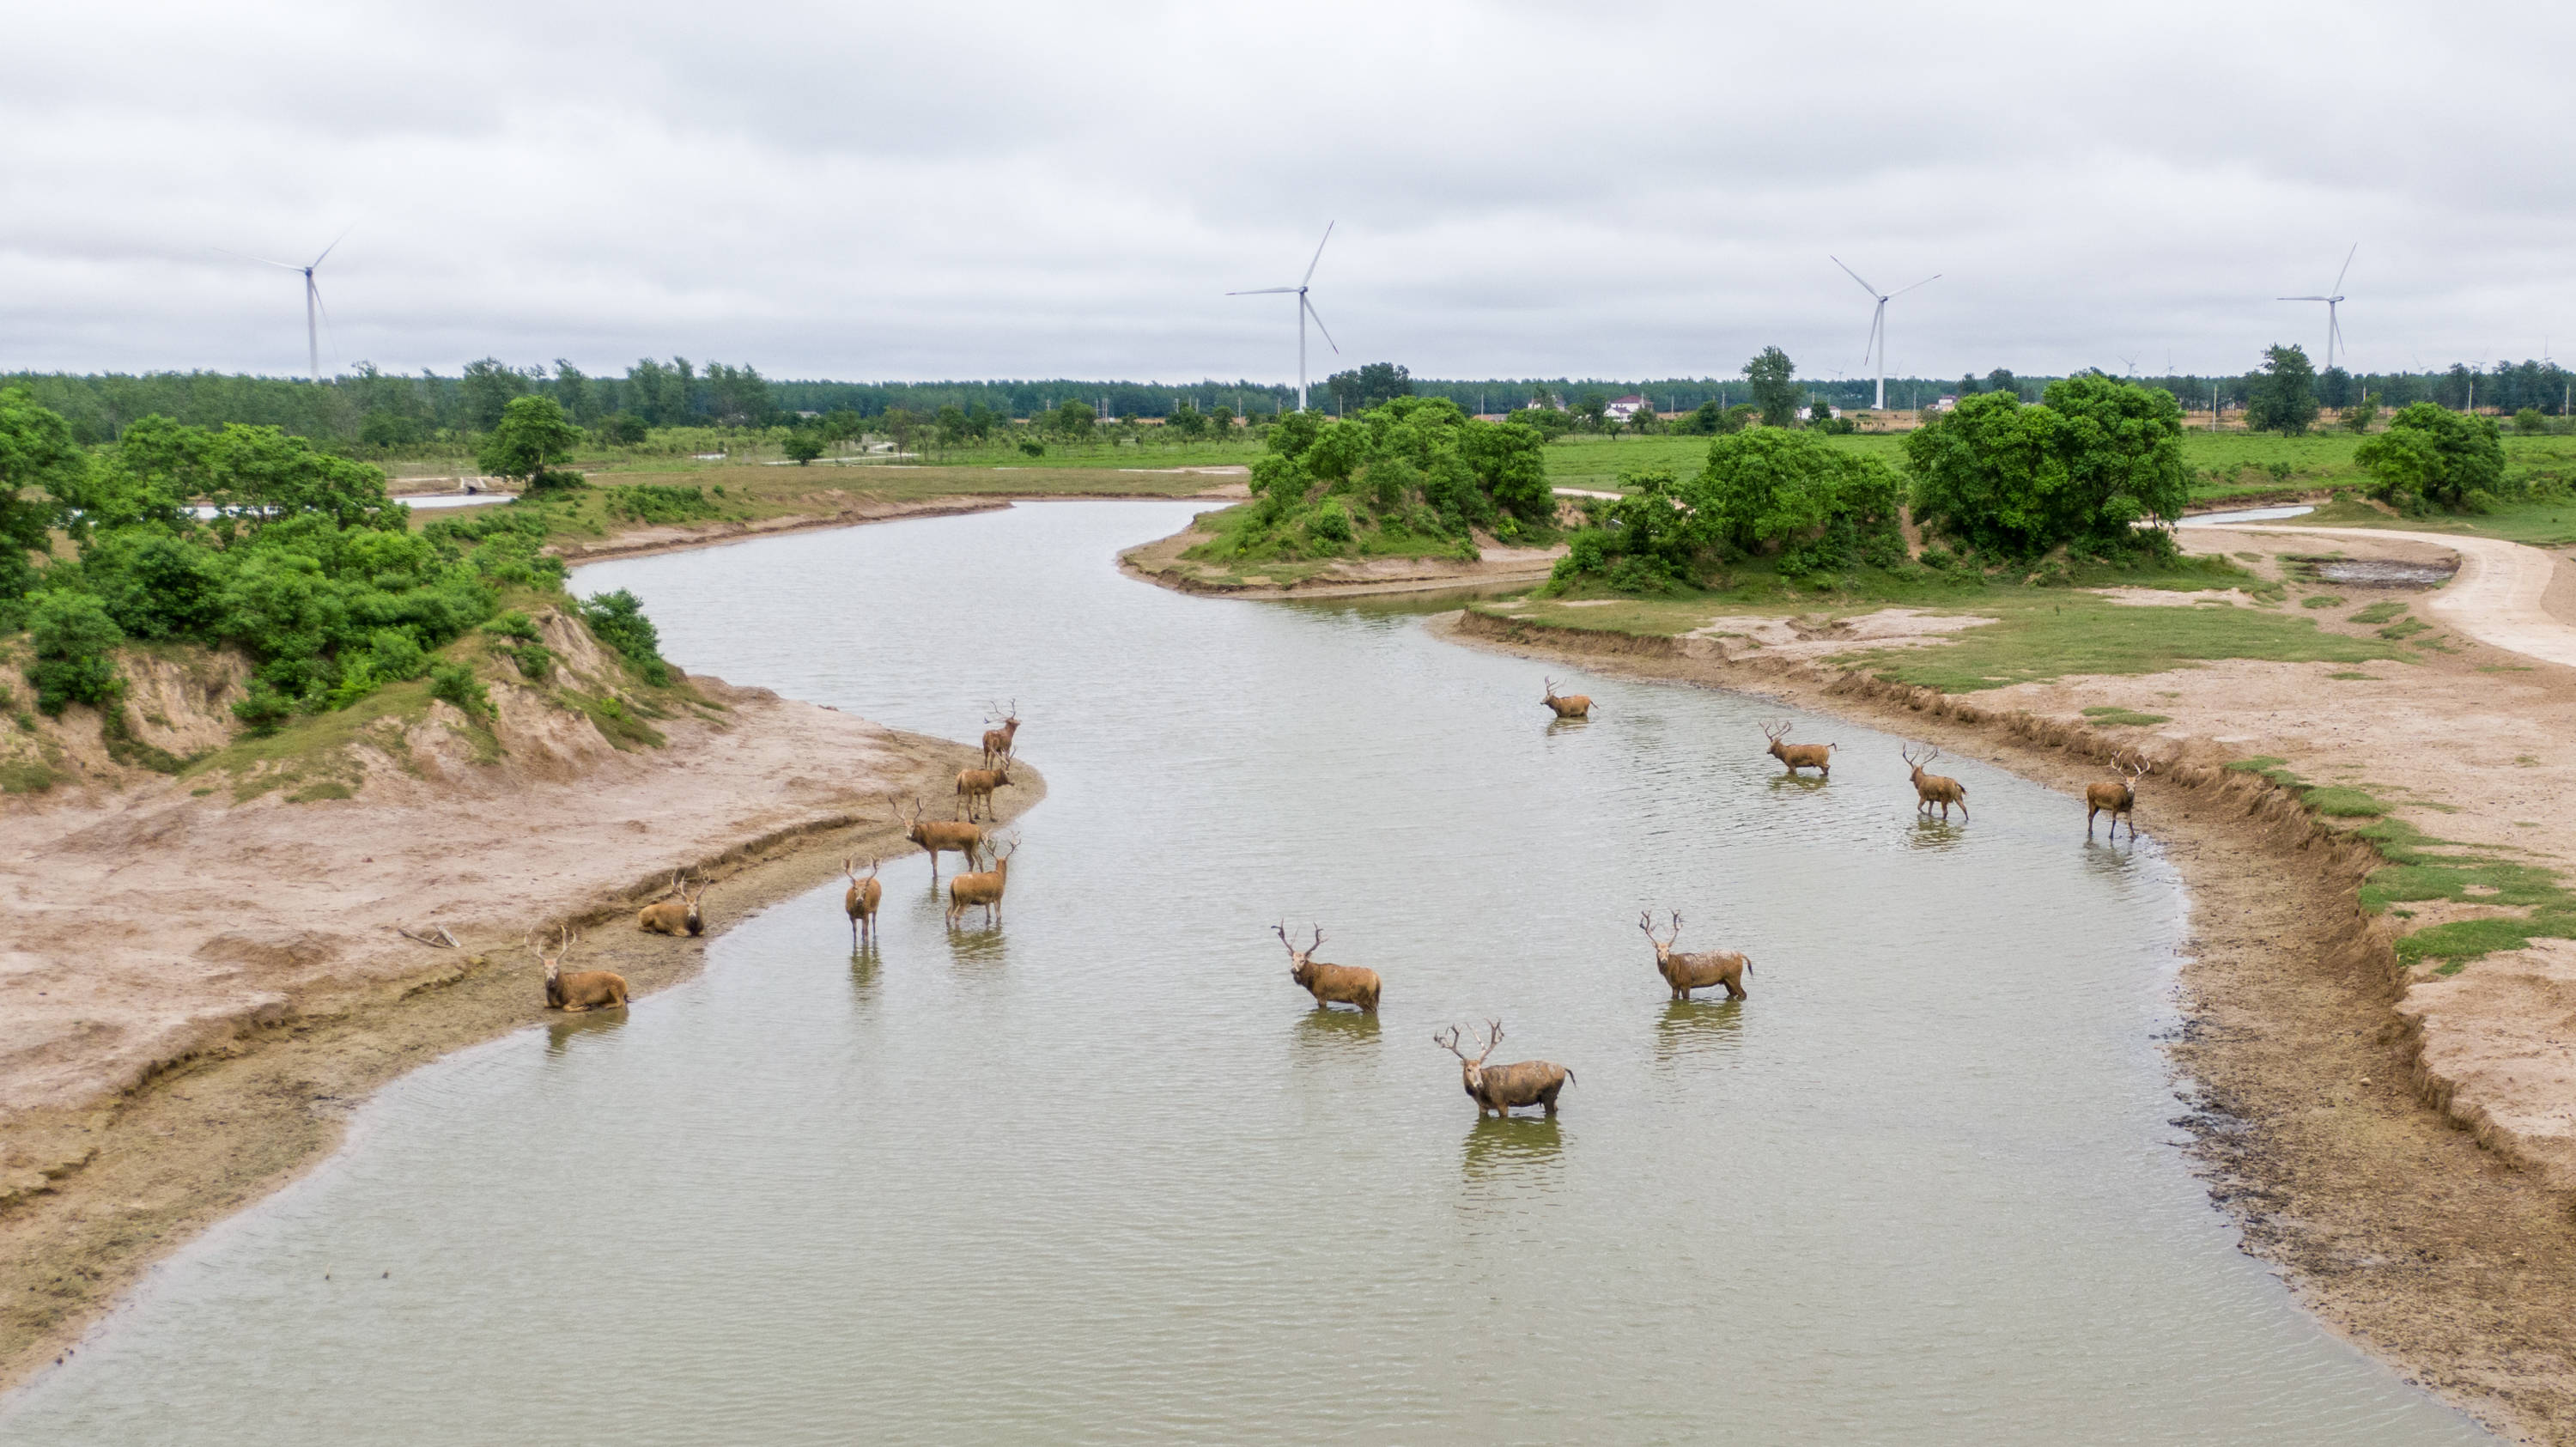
<point>1567,725</point>
<point>2111,860</point>
<point>1807,782</point>
<point>1106,1175</point>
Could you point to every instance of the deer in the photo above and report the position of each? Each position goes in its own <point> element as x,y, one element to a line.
<point>1819,757</point>
<point>861,901</point>
<point>1345,984</point>
<point>1569,705</point>
<point>2117,796</point>
<point>939,836</point>
<point>1686,973</point>
<point>1498,1088</point>
<point>985,889</point>
<point>675,916</point>
<point>976,786</point>
<point>582,990</point>
<point>1931,789</point>
<point>997,742</point>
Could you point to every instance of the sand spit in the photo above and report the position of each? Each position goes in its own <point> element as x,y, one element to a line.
<point>1160,563</point>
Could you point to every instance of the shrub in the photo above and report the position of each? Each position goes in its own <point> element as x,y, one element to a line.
<point>653,502</point>
<point>2529,422</point>
<point>617,619</point>
<point>622,428</point>
<point>2432,456</point>
<point>74,661</point>
<point>2097,457</point>
<point>264,709</point>
<point>396,655</point>
<point>1031,447</point>
<point>456,683</point>
<point>2358,418</point>
<point>1329,523</point>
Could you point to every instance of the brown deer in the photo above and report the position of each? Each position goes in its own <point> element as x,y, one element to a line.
<point>940,836</point>
<point>1498,1088</point>
<point>1931,789</point>
<point>1819,757</point>
<point>976,786</point>
<point>1686,973</point>
<point>675,916</point>
<point>1347,984</point>
<point>582,989</point>
<point>985,889</point>
<point>1570,705</point>
<point>861,901</point>
<point>2117,796</point>
<point>997,742</point>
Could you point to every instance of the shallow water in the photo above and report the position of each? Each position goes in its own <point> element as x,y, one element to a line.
<point>2248,515</point>
<point>1103,1175</point>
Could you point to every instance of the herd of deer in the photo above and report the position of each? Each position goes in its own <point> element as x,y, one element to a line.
<point>1496,1088</point>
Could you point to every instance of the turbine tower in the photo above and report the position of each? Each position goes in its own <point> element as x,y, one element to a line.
<point>1878,326</point>
<point>312,296</point>
<point>1305,309</point>
<point>2334,326</point>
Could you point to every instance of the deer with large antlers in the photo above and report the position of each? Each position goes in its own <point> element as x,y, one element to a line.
<point>1931,789</point>
<point>1566,705</point>
<point>1819,757</point>
<point>940,836</point>
<point>1498,1088</point>
<point>975,786</point>
<point>1329,984</point>
<point>678,915</point>
<point>997,741</point>
<point>582,989</point>
<point>2117,796</point>
<point>1702,971</point>
<point>863,898</point>
<point>969,890</point>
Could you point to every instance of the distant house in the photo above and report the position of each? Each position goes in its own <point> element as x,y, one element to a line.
<point>1946,403</point>
<point>1623,408</point>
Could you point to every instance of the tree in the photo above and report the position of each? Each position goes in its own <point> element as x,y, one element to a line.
<point>1185,423</point>
<point>572,389</point>
<point>1370,386</point>
<point>1073,421</point>
<point>803,444</point>
<point>2001,379</point>
<point>1591,411</point>
<point>2081,470</point>
<point>2361,414</point>
<point>1775,389</point>
<point>530,437</point>
<point>1786,491</point>
<point>2432,456</point>
<point>40,468</point>
<point>487,388</point>
<point>2334,387</point>
<point>2283,398</point>
<point>1706,420</point>
<point>623,427</point>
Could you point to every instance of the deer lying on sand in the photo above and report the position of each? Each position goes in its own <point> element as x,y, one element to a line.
<point>1686,973</point>
<point>1569,705</point>
<point>861,901</point>
<point>675,916</point>
<point>1819,757</point>
<point>1931,789</point>
<point>997,742</point>
<point>1498,1088</point>
<point>968,890</point>
<point>938,836</point>
<point>582,989</point>
<point>975,786</point>
<point>2116,796</point>
<point>1347,984</point>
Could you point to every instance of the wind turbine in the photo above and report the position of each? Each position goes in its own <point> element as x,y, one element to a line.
<point>1878,326</point>
<point>2334,327</point>
<point>312,295</point>
<point>1305,309</point>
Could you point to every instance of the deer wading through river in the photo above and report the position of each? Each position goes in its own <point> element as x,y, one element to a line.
<point>1685,973</point>
<point>1819,757</point>
<point>1329,984</point>
<point>2117,797</point>
<point>862,900</point>
<point>938,836</point>
<point>968,890</point>
<point>1566,705</point>
<point>1931,789</point>
<point>1499,1088</point>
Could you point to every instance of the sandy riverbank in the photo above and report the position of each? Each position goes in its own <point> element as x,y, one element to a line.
<point>1160,563</point>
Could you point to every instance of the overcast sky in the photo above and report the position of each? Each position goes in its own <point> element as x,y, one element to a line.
<point>891,192</point>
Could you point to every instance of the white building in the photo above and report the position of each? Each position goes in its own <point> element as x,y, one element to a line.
<point>1626,407</point>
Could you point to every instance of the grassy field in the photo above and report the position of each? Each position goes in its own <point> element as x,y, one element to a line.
<point>2548,524</point>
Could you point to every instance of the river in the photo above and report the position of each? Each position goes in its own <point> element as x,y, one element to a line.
<point>1104,1175</point>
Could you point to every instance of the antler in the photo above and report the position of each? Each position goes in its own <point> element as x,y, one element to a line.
<point>1775,732</point>
<point>2145,766</point>
<point>1448,1041</point>
<point>1319,940</point>
<point>1677,928</point>
<point>1281,929</point>
<point>1494,1037</point>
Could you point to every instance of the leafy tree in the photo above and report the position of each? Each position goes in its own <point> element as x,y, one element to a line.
<point>389,430</point>
<point>1220,420</point>
<point>1776,489</point>
<point>1591,411</point>
<point>40,469</point>
<point>488,387</point>
<point>2001,379</point>
<point>573,390</point>
<point>623,428</point>
<point>739,396</point>
<point>2080,470</point>
<point>2334,387</point>
<point>1968,385</point>
<point>1775,388</point>
<point>2529,422</point>
<point>1370,386</point>
<point>1074,421</point>
<point>2283,398</point>
<point>803,444</point>
<point>2432,456</point>
<point>1185,422</point>
<point>74,642</point>
<point>2361,414</point>
<point>530,437</point>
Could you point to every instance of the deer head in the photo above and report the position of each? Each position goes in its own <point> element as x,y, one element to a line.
<point>1472,1066</point>
<point>689,897</point>
<point>2138,767</point>
<point>1664,946</point>
<point>1550,686</point>
<point>1918,764</point>
<point>1775,732</point>
<point>1301,963</point>
<point>552,963</point>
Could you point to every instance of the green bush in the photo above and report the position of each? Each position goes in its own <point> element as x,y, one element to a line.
<point>2529,422</point>
<point>661,503</point>
<point>1329,523</point>
<point>74,642</point>
<point>456,683</point>
<point>617,619</point>
<point>2097,457</point>
<point>396,655</point>
<point>2433,457</point>
<point>264,709</point>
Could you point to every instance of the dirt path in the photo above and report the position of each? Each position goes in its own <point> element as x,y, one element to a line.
<point>2501,597</point>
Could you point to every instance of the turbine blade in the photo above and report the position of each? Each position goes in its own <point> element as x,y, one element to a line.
<point>1854,275</point>
<point>335,242</point>
<point>1927,281</point>
<point>325,308</point>
<point>1877,318</point>
<point>1319,257</point>
<point>1263,291</point>
<point>237,256</point>
<point>2303,298</point>
<point>2347,265</point>
<point>1319,325</point>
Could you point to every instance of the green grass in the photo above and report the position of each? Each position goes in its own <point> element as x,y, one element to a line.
<point>2115,716</point>
<point>2378,612</point>
<point>2422,868</point>
<point>2320,600</point>
<point>2350,673</point>
<point>2034,640</point>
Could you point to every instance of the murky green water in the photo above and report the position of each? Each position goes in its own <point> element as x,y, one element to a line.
<point>1102,1175</point>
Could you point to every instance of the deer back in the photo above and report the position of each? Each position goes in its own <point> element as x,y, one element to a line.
<point>1521,1083</point>
<point>2113,796</point>
<point>1349,984</point>
<point>1699,971</point>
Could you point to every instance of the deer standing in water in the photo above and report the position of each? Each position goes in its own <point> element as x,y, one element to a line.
<point>1819,757</point>
<point>862,899</point>
<point>1931,789</point>
<point>938,836</point>
<point>1347,984</point>
<point>1498,1088</point>
<point>677,915</point>
<point>582,989</point>
<point>1568,705</point>
<point>976,786</point>
<point>968,890</point>
<point>2117,796</point>
<point>1686,973</point>
<point>997,742</point>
